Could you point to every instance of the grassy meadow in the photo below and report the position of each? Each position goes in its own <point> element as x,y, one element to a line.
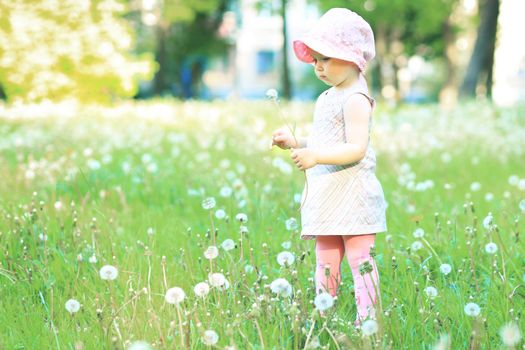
<point>149,187</point>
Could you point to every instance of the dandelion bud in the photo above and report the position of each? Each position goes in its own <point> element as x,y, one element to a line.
<point>365,267</point>
<point>373,250</point>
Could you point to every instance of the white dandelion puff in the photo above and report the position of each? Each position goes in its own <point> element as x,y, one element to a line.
<point>522,206</point>
<point>248,269</point>
<point>431,292</point>
<point>472,309</point>
<point>417,245</point>
<point>226,191</point>
<point>369,327</point>
<point>220,214</point>
<point>208,203</point>
<point>286,245</point>
<point>210,337</point>
<point>475,186</point>
<point>488,221</point>
<point>291,224</point>
<point>491,248</point>
<point>281,287</point>
<point>285,258</point>
<point>58,205</point>
<point>216,279</point>
<point>445,269</point>
<point>201,289</point>
<point>108,272</point>
<point>510,334</point>
<point>228,244</point>
<point>175,295</point>
<point>241,217</point>
<point>272,94</point>
<point>211,252</point>
<point>418,233</point>
<point>72,305</point>
<point>323,301</point>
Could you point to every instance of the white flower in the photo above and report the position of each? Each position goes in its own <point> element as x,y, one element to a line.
<point>58,205</point>
<point>208,203</point>
<point>487,222</point>
<point>491,248</point>
<point>220,214</point>
<point>472,309</point>
<point>286,245</point>
<point>248,269</point>
<point>281,287</point>
<point>210,337</point>
<point>93,259</point>
<point>431,292</point>
<point>151,231</point>
<point>224,286</point>
<point>228,244</point>
<point>445,269</point>
<point>489,196</point>
<point>475,186</point>
<point>216,279</point>
<point>416,245</point>
<point>285,258</point>
<point>108,272</point>
<point>211,252</point>
<point>201,289</point>
<point>241,217</point>
<point>175,295</point>
<point>243,229</point>
<point>139,345</point>
<point>72,306</point>
<point>419,232</point>
<point>369,327</point>
<point>272,94</point>
<point>510,334</point>
<point>291,224</point>
<point>323,301</point>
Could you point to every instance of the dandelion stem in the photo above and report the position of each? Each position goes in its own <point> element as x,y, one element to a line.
<point>309,333</point>
<point>261,339</point>
<point>180,327</point>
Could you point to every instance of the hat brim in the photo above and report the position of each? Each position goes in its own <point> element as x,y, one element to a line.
<point>303,47</point>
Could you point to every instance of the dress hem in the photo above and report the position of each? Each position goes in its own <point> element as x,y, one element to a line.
<point>368,231</point>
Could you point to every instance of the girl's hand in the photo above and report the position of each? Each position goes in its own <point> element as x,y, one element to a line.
<point>283,138</point>
<point>304,158</point>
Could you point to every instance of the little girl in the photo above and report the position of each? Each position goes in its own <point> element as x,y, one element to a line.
<point>344,205</point>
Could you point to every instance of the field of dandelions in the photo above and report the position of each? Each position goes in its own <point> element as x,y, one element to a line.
<point>170,225</point>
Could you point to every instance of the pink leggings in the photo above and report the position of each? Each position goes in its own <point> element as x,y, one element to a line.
<point>329,254</point>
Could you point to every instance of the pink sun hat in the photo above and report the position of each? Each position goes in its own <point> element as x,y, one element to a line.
<point>339,33</point>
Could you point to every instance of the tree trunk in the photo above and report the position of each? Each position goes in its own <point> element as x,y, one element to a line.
<point>160,81</point>
<point>448,93</point>
<point>482,59</point>
<point>287,88</point>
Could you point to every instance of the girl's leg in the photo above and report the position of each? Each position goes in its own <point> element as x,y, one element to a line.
<point>357,250</point>
<point>329,252</point>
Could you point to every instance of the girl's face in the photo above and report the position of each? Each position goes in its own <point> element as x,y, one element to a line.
<point>333,71</point>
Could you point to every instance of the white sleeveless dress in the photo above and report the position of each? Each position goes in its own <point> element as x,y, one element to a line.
<point>341,199</point>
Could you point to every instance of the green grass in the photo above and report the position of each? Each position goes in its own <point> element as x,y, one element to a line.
<point>119,172</point>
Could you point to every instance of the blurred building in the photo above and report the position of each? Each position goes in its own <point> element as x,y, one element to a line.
<point>253,64</point>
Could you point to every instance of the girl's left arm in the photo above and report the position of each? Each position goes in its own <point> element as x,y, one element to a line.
<point>357,111</point>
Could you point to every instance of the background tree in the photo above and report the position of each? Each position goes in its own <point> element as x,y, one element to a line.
<point>402,28</point>
<point>482,60</point>
<point>183,35</point>
<point>54,50</point>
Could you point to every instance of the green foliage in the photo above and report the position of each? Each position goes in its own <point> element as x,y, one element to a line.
<point>69,49</point>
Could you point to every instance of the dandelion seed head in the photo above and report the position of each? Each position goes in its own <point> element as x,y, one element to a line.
<point>286,245</point>
<point>72,305</point>
<point>431,292</point>
<point>228,244</point>
<point>108,272</point>
<point>323,301</point>
<point>491,248</point>
<point>201,289</point>
<point>241,217</point>
<point>472,309</point>
<point>210,337</point>
<point>418,233</point>
<point>445,269</point>
<point>208,203</point>
<point>211,252</point>
<point>216,279</point>
<point>220,214</point>
<point>291,224</point>
<point>510,334</point>
<point>417,245</point>
<point>175,295</point>
<point>139,345</point>
<point>281,287</point>
<point>272,94</point>
<point>369,327</point>
<point>285,258</point>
